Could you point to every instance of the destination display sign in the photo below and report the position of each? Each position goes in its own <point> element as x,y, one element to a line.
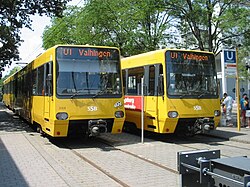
<point>189,56</point>
<point>86,53</point>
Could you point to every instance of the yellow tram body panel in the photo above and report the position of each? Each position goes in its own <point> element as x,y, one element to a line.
<point>77,109</point>
<point>162,123</point>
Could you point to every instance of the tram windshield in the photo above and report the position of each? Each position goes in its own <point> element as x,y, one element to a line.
<point>191,75</point>
<point>88,72</point>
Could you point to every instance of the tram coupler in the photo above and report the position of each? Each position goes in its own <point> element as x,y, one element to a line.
<point>202,168</point>
<point>96,127</point>
<point>205,124</point>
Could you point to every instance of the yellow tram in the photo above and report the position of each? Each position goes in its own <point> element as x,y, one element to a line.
<point>70,89</point>
<point>180,91</point>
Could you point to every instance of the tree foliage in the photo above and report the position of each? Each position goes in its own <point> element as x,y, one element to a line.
<point>144,25</point>
<point>133,26</point>
<point>14,15</point>
<point>212,24</point>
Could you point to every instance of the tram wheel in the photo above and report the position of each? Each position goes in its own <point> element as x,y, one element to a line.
<point>39,130</point>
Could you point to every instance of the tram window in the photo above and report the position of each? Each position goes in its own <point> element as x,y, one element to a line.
<point>25,90</point>
<point>48,79</point>
<point>161,81</point>
<point>10,87</point>
<point>29,80</point>
<point>34,82</point>
<point>19,86</point>
<point>40,80</point>
<point>134,81</point>
<point>151,86</point>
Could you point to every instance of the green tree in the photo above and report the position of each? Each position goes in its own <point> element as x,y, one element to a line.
<point>144,25</point>
<point>14,15</point>
<point>211,24</point>
<point>133,26</point>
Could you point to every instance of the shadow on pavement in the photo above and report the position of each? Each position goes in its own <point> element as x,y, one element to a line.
<point>9,122</point>
<point>10,175</point>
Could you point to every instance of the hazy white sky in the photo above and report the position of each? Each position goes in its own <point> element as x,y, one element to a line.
<point>32,45</point>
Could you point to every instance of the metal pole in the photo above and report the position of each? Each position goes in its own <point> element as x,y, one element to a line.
<point>223,73</point>
<point>237,90</point>
<point>142,110</point>
<point>248,71</point>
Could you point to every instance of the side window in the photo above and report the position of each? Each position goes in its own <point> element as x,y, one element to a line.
<point>151,85</point>
<point>22,85</point>
<point>14,87</point>
<point>19,86</point>
<point>7,89</point>
<point>9,92</point>
<point>27,85</point>
<point>134,81</point>
<point>40,88</point>
<point>161,81</point>
<point>34,82</point>
<point>48,79</point>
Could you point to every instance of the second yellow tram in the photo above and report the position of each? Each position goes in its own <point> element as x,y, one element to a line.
<point>180,91</point>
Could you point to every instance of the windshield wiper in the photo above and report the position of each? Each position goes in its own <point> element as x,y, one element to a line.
<point>79,91</point>
<point>184,95</point>
<point>201,95</point>
<point>75,94</point>
<point>99,93</point>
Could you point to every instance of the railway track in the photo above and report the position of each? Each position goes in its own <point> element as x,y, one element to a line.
<point>121,160</point>
<point>80,150</point>
<point>181,143</point>
<point>107,173</point>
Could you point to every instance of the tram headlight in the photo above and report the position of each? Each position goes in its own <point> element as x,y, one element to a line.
<point>172,114</point>
<point>119,114</point>
<point>217,113</point>
<point>62,116</point>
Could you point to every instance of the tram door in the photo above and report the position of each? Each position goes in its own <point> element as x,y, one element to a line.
<point>47,90</point>
<point>151,101</point>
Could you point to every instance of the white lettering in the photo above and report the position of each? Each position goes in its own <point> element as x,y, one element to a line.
<point>129,103</point>
<point>92,108</point>
<point>197,107</point>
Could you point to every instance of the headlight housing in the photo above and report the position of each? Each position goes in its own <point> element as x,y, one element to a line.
<point>217,113</point>
<point>62,116</point>
<point>172,114</point>
<point>119,114</point>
